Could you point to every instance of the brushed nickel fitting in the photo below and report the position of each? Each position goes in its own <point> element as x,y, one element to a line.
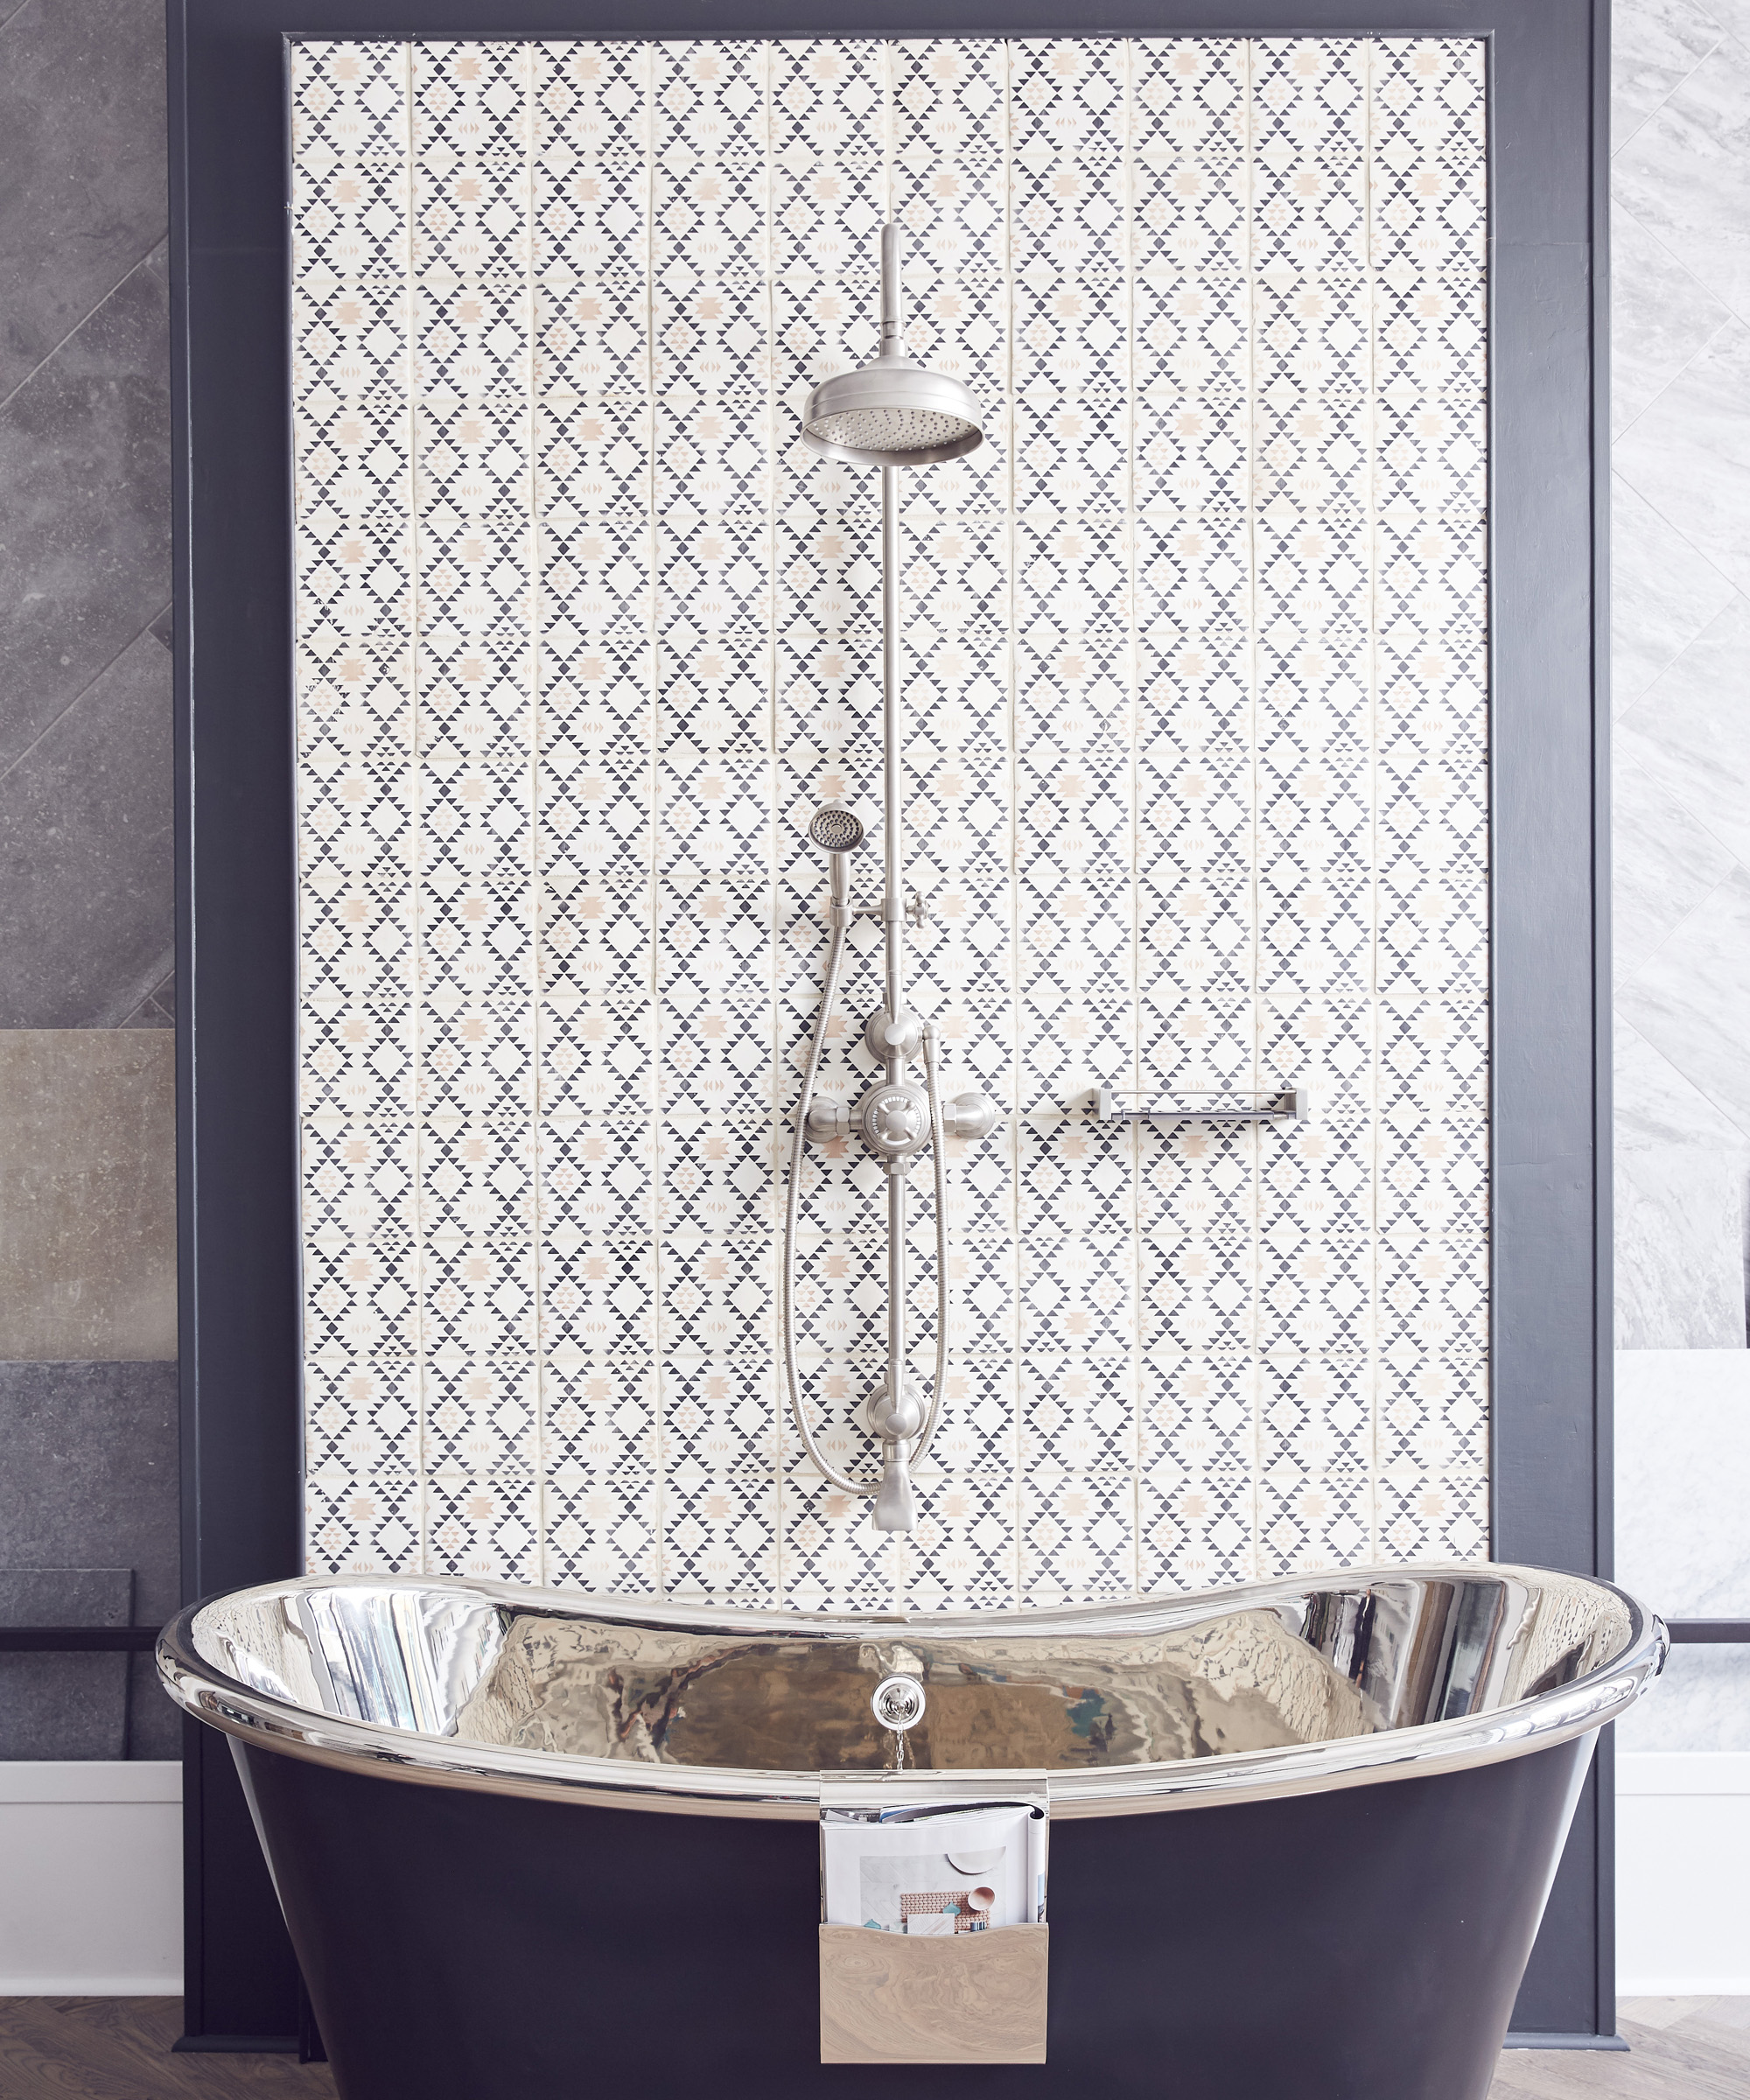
<point>893,414</point>
<point>894,1119</point>
<point>884,1037</point>
<point>828,1122</point>
<point>971,1115</point>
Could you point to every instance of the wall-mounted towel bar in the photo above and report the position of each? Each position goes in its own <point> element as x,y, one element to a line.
<point>1199,1104</point>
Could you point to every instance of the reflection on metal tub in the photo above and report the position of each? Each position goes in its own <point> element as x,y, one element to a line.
<point>1382,1764</point>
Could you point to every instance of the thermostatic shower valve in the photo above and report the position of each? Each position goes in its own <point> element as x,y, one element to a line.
<point>894,1118</point>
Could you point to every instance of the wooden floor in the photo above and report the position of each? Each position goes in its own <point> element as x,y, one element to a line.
<point>118,2048</point>
<point>1679,2048</point>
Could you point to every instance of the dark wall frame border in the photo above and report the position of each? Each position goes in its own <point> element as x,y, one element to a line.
<point>77,1640</point>
<point>237,1242</point>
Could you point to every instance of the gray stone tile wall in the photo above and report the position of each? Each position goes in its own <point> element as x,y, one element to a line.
<point>87,1310</point>
<point>54,1706</point>
<point>87,1158</point>
<point>89,1481</point>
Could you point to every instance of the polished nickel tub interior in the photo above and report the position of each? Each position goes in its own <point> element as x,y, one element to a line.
<point>1279,1688</point>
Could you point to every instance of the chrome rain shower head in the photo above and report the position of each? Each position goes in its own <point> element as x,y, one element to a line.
<point>897,418</point>
<point>835,829</point>
<point>892,413</point>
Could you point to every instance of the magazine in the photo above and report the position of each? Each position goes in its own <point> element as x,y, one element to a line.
<point>931,1869</point>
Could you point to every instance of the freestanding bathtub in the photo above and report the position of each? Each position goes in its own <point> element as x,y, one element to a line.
<point>531,1844</point>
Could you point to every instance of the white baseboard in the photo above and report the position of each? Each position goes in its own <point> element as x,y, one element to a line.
<point>1683,1861</point>
<point>90,1880</point>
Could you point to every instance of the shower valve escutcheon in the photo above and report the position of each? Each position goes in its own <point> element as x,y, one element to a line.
<point>893,1117</point>
<point>884,1037</point>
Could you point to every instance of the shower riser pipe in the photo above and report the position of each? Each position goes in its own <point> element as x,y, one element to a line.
<point>893,908</point>
<point>889,415</point>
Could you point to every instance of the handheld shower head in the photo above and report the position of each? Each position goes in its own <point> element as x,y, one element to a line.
<point>892,413</point>
<point>839,831</point>
<point>836,829</point>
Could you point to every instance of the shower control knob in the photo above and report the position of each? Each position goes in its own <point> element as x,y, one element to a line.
<point>894,1118</point>
<point>884,1035</point>
<point>829,1121</point>
<point>971,1115</point>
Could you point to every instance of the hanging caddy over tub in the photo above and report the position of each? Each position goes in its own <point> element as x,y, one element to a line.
<point>934,1944</point>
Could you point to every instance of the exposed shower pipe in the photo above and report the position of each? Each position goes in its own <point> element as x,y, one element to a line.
<point>891,414</point>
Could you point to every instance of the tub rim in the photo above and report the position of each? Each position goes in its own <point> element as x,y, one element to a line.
<point>1550,1718</point>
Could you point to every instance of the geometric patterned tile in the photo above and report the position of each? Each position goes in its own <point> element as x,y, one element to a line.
<point>1197,769</point>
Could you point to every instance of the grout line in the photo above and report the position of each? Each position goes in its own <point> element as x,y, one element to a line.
<point>12,765</point>
<point>135,1011</point>
<point>1701,822</point>
<point>775,1024</point>
<point>48,356</point>
<point>1666,384</point>
<point>1618,210</point>
<point>1017,1065</point>
<point>653,673</point>
<point>1134,1131</point>
<point>1706,560</point>
<point>1249,184</point>
<point>529,56</point>
<point>1627,982</point>
<point>1654,1050</point>
<point>1370,51</point>
<point>1664,102</point>
<point>897,1551</point>
<point>416,807</point>
<point>153,998</point>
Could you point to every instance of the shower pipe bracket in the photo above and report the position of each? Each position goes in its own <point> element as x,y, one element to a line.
<point>1204,1104</point>
<point>916,913</point>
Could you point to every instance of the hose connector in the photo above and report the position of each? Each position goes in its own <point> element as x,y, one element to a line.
<point>839,911</point>
<point>896,1508</point>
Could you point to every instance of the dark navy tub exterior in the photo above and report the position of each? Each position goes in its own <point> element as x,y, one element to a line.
<point>1361,1944</point>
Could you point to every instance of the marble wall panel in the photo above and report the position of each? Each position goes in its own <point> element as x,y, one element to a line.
<point>1683,1471</point>
<point>1680,517</point>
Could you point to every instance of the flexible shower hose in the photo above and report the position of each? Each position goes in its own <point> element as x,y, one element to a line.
<point>835,962</point>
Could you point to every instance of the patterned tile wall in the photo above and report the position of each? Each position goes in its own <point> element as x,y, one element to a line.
<point>1197,748</point>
